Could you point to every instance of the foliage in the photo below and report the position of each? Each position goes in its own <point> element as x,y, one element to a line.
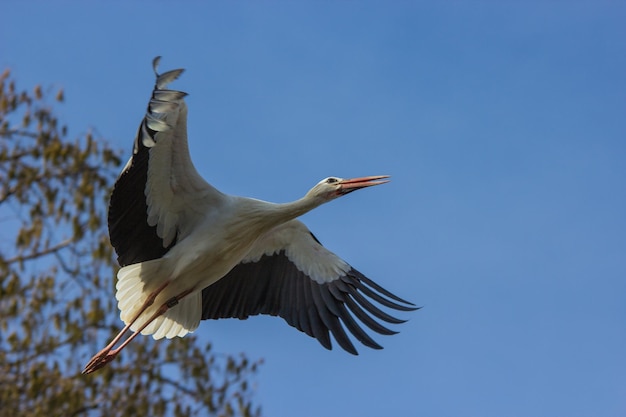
<point>56,287</point>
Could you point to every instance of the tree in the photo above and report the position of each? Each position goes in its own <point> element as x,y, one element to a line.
<point>57,274</point>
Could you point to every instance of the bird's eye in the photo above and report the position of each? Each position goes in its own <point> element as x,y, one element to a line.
<point>331,180</point>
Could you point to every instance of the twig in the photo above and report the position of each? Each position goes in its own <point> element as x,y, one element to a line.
<point>33,255</point>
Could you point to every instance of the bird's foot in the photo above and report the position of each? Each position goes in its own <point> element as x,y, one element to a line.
<point>99,360</point>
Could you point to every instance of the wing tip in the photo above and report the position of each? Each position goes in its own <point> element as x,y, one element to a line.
<point>162,80</point>
<point>155,64</point>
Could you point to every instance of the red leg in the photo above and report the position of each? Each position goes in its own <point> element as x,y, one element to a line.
<point>94,363</point>
<point>107,354</point>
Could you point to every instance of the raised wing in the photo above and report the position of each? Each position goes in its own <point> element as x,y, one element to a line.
<point>288,273</point>
<point>159,195</point>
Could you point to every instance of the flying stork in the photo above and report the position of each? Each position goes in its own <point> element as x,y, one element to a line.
<point>189,252</point>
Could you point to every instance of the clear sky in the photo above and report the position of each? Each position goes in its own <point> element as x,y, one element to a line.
<point>503,125</point>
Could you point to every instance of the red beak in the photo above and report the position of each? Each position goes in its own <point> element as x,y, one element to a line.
<point>353,184</point>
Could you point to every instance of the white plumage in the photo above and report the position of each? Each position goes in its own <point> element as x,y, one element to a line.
<point>189,252</point>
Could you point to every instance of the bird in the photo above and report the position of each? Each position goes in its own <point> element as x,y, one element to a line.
<point>189,252</point>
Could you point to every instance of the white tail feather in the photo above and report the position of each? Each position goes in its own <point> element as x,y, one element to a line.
<point>179,320</point>
<point>134,284</point>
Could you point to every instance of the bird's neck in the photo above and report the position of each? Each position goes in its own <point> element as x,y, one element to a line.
<point>270,215</point>
<point>289,211</point>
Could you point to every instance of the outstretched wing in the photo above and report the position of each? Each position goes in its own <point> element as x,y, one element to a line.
<point>153,202</point>
<point>288,273</point>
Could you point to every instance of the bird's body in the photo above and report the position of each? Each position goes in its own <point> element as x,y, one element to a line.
<point>190,252</point>
<point>218,243</point>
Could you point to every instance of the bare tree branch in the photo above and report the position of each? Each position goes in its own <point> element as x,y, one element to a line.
<point>41,253</point>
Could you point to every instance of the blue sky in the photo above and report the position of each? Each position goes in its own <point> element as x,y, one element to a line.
<point>502,124</point>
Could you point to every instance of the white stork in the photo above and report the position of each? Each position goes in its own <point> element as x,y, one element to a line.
<point>189,252</point>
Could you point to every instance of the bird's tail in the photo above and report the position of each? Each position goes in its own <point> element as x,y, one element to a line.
<point>135,283</point>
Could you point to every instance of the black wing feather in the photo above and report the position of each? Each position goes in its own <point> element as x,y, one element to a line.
<point>275,286</point>
<point>133,239</point>
<point>131,236</point>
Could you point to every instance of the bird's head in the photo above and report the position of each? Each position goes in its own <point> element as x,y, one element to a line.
<point>333,187</point>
